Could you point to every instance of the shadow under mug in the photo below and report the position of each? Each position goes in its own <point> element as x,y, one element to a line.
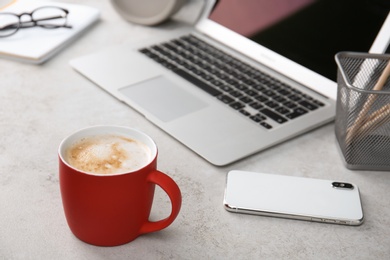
<point>113,209</point>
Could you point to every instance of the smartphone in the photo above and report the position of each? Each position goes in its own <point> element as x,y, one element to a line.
<point>293,197</point>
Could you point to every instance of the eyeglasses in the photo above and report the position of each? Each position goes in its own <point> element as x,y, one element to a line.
<point>48,17</point>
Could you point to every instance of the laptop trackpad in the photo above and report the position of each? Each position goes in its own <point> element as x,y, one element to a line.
<point>162,98</point>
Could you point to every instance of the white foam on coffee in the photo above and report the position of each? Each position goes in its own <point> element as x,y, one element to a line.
<point>108,154</point>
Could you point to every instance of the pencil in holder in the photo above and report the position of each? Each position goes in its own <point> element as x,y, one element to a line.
<point>362,123</point>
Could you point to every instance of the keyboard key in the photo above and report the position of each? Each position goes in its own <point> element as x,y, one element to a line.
<point>259,87</point>
<point>237,105</point>
<point>258,118</point>
<point>207,77</point>
<point>261,98</point>
<point>280,99</point>
<point>269,93</point>
<point>226,89</point>
<point>290,104</point>
<point>318,103</point>
<point>283,92</point>
<point>282,110</point>
<point>272,104</point>
<point>266,125</point>
<point>244,112</point>
<point>249,82</point>
<point>216,83</point>
<point>294,97</point>
<point>308,105</point>
<point>145,50</point>
<point>225,99</point>
<point>297,112</point>
<point>169,65</point>
<point>256,105</point>
<point>274,116</point>
<point>251,93</point>
<point>241,86</point>
<point>246,100</point>
<point>236,93</point>
<point>197,82</point>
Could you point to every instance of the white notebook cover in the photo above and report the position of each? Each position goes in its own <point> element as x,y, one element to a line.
<point>36,45</point>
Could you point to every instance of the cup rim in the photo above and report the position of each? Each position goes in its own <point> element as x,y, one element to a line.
<point>61,148</point>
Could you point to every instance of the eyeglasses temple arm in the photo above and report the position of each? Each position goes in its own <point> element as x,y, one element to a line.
<point>33,23</point>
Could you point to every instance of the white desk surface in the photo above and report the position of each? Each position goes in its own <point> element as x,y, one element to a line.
<point>40,105</point>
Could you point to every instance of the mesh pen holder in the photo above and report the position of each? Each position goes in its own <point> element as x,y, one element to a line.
<point>362,123</point>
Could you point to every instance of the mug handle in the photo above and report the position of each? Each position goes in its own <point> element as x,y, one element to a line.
<point>174,194</point>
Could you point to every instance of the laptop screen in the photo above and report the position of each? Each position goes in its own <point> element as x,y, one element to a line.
<point>309,32</point>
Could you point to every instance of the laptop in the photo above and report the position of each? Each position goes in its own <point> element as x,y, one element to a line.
<point>245,78</point>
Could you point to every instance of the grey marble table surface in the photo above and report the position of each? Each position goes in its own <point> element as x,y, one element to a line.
<point>41,104</point>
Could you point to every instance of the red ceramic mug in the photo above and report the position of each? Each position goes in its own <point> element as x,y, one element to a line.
<point>109,209</point>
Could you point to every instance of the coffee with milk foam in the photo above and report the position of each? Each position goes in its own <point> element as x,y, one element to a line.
<point>107,154</point>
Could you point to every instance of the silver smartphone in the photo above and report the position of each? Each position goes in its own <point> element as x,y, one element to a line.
<point>293,197</point>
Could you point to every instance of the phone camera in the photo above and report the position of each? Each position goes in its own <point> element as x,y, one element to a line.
<point>342,185</point>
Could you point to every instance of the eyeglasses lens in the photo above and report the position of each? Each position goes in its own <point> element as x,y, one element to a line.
<point>9,24</point>
<point>49,17</point>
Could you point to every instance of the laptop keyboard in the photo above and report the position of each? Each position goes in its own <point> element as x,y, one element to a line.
<point>256,95</point>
